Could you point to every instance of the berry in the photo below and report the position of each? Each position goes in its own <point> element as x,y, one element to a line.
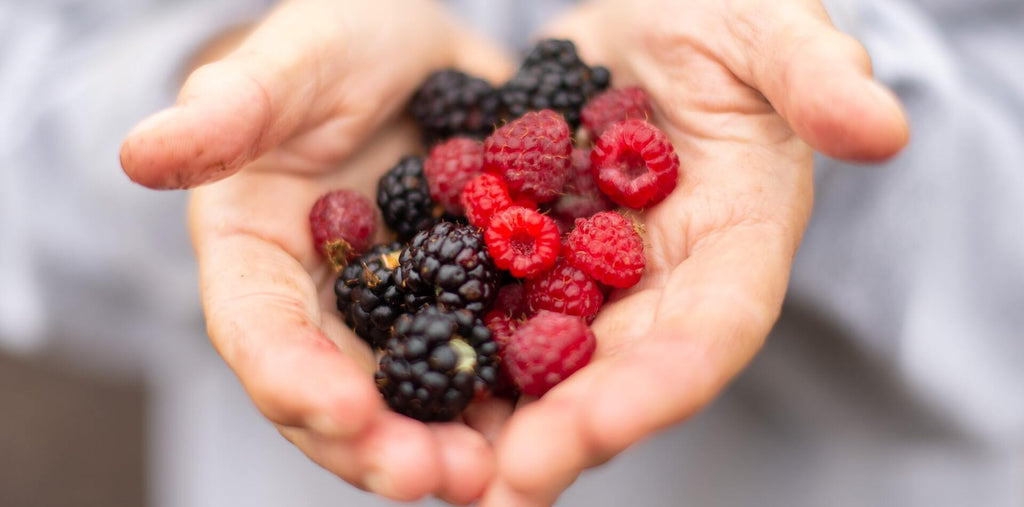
<point>635,164</point>
<point>607,247</point>
<point>552,76</point>
<point>436,363</point>
<point>522,241</point>
<point>449,264</point>
<point>531,154</point>
<point>581,196</point>
<point>404,198</point>
<point>546,350</point>
<point>510,309</point>
<point>483,196</point>
<point>564,289</point>
<point>343,222</point>
<point>367,295</point>
<point>452,103</point>
<point>450,166</point>
<point>612,106</point>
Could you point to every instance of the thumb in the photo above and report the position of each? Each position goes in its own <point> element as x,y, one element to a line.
<point>819,79</point>
<point>316,69</point>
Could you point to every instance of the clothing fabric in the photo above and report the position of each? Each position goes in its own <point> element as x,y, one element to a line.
<point>892,378</point>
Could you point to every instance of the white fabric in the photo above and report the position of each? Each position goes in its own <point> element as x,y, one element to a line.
<point>893,377</point>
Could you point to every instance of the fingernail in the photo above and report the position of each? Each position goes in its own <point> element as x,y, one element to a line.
<point>377,482</point>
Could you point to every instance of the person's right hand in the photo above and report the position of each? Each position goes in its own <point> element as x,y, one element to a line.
<point>309,102</point>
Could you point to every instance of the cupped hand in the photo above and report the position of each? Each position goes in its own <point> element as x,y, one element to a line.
<point>745,90</point>
<point>307,103</point>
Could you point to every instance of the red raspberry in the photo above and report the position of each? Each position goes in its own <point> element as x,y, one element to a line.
<point>546,350</point>
<point>522,241</point>
<point>450,166</point>
<point>531,154</point>
<point>608,247</point>
<point>635,164</point>
<point>581,197</point>
<point>486,195</point>
<point>564,289</point>
<point>511,300</point>
<point>343,223</point>
<point>614,106</point>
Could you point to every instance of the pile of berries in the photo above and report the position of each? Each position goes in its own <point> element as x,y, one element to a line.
<point>507,246</point>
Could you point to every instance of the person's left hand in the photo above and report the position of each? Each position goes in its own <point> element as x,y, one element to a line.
<point>744,90</point>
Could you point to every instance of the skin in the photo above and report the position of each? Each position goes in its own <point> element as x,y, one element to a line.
<point>310,101</point>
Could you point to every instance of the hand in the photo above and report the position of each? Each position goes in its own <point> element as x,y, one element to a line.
<point>739,87</point>
<point>306,104</point>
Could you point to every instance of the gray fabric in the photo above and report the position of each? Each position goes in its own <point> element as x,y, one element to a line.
<point>892,378</point>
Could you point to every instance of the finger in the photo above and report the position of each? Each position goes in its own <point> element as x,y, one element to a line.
<point>263,318</point>
<point>818,78</point>
<point>468,461</point>
<point>310,74</point>
<point>397,457</point>
<point>488,416</point>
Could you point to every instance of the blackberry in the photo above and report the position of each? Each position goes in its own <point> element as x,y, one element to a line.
<point>552,76</point>
<point>436,363</point>
<point>367,295</point>
<point>404,198</point>
<point>452,103</point>
<point>449,263</point>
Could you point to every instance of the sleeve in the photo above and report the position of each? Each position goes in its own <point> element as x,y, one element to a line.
<point>81,247</point>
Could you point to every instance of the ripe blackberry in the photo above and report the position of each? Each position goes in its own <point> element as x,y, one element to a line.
<point>449,264</point>
<point>436,363</point>
<point>368,297</point>
<point>452,103</point>
<point>552,76</point>
<point>404,198</point>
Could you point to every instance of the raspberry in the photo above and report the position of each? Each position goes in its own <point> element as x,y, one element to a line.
<point>404,199</point>
<point>448,264</point>
<point>367,295</point>
<point>522,241</point>
<point>436,363</point>
<point>581,197</point>
<point>452,103</point>
<point>450,166</point>
<point>482,197</point>
<point>608,247</point>
<point>564,289</point>
<point>531,154</point>
<point>614,106</point>
<point>343,223</point>
<point>635,164</point>
<point>552,76</point>
<point>510,309</point>
<point>546,350</point>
